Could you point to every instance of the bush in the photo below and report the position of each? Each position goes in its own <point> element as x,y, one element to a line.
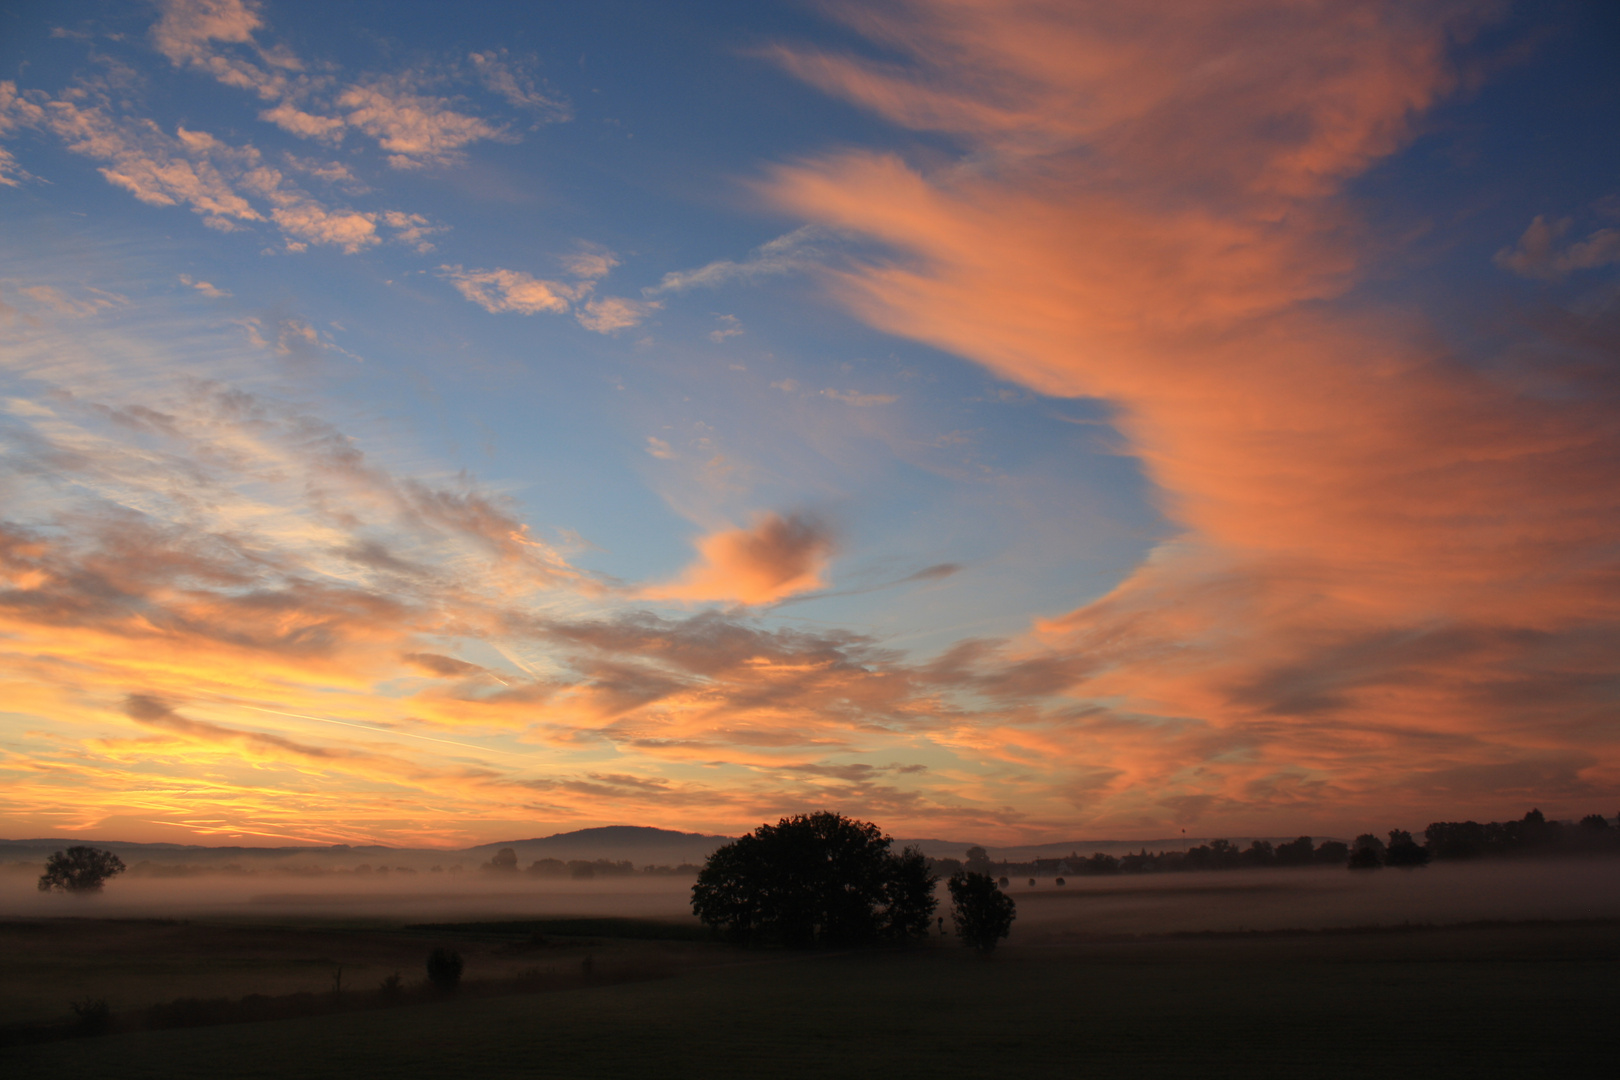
<point>817,879</point>
<point>80,870</point>
<point>92,1016</point>
<point>503,861</point>
<point>1405,852</point>
<point>444,970</point>
<point>982,912</point>
<point>1332,853</point>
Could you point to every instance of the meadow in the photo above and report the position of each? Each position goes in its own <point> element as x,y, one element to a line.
<point>1476,970</point>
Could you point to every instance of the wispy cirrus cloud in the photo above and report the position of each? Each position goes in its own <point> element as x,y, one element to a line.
<point>412,123</point>
<point>792,252</point>
<point>1385,563</point>
<point>1537,254</point>
<point>187,33</point>
<point>518,292</point>
<point>414,128</point>
<point>605,314</point>
<point>497,71</point>
<point>499,291</point>
<point>230,186</point>
<point>208,289</point>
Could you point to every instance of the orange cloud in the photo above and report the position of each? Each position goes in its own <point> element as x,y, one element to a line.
<point>1392,590</point>
<point>774,558</point>
<point>1392,567</point>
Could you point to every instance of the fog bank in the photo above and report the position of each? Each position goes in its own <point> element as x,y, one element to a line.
<point>1313,898</point>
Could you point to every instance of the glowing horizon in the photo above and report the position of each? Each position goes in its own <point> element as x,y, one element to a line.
<point>1011,420</point>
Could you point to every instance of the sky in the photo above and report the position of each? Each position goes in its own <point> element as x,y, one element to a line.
<point>1017,420</point>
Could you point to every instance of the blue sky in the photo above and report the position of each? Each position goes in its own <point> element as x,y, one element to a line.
<point>1022,422</point>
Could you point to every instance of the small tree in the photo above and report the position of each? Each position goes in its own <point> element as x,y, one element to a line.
<point>1367,853</point>
<point>503,861</point>
<point>80,870</point>
<point>983,913</point>
<point>444,970</point>
<point>978,861</point>
<point>1405,852</point>
<point>908,896</point>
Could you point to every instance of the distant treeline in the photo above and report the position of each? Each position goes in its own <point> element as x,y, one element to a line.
<point>1533,835</point>
<point>505,861</point>
<point>578,869</point>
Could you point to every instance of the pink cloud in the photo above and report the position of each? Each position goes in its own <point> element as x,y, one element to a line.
<point>498,291</point>
<point>774,558</point>
<point>1385,557</point>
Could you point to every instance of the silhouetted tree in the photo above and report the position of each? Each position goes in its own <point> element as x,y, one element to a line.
<point>91,1017</point>
<point>1260,853</point>
<point>1332,852</point>
<point>547,868</point>
<point>816,879</point>
<point>80,870</point>
<point>1367,853</point>
<point>1456,839</point>
<point>978,861</point>
<point>1295,852</point>
<point>1405,852</point>
<point>503,861</point>
<point>908,896</point>
<point>444,969</point>
<point>982,912</point>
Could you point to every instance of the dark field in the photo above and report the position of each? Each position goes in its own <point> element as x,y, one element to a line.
<point>1537,1000</point>
<point>1186,976</point>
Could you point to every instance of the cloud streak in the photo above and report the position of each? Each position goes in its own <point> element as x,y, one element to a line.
<point>414,126</point>
<point>231,187</point>
<point>1384,556</point>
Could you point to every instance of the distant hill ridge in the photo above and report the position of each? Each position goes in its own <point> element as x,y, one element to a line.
<point>641,844</point>
<point>609,836</point>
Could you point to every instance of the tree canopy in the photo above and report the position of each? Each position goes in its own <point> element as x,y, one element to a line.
<point>815,879</point>
<point>982,912</point>
<point>79,870</point>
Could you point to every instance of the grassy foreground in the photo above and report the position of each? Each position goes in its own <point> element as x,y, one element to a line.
<point>1519,1001</point>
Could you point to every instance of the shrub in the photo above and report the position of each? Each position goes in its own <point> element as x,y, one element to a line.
<point>92,1016</point>
<point>444,970</point>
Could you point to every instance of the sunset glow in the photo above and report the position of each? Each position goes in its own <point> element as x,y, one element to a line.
<point>1013,419</point>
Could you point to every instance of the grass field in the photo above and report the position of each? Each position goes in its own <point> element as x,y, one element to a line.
<point>1184,976</point>
<point>1519,1001</point>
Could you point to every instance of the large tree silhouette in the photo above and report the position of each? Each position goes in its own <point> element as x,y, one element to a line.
<point>79,870</point>
<point>815,879</point>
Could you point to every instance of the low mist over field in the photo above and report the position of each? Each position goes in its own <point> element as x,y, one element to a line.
<point>170,881</point>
